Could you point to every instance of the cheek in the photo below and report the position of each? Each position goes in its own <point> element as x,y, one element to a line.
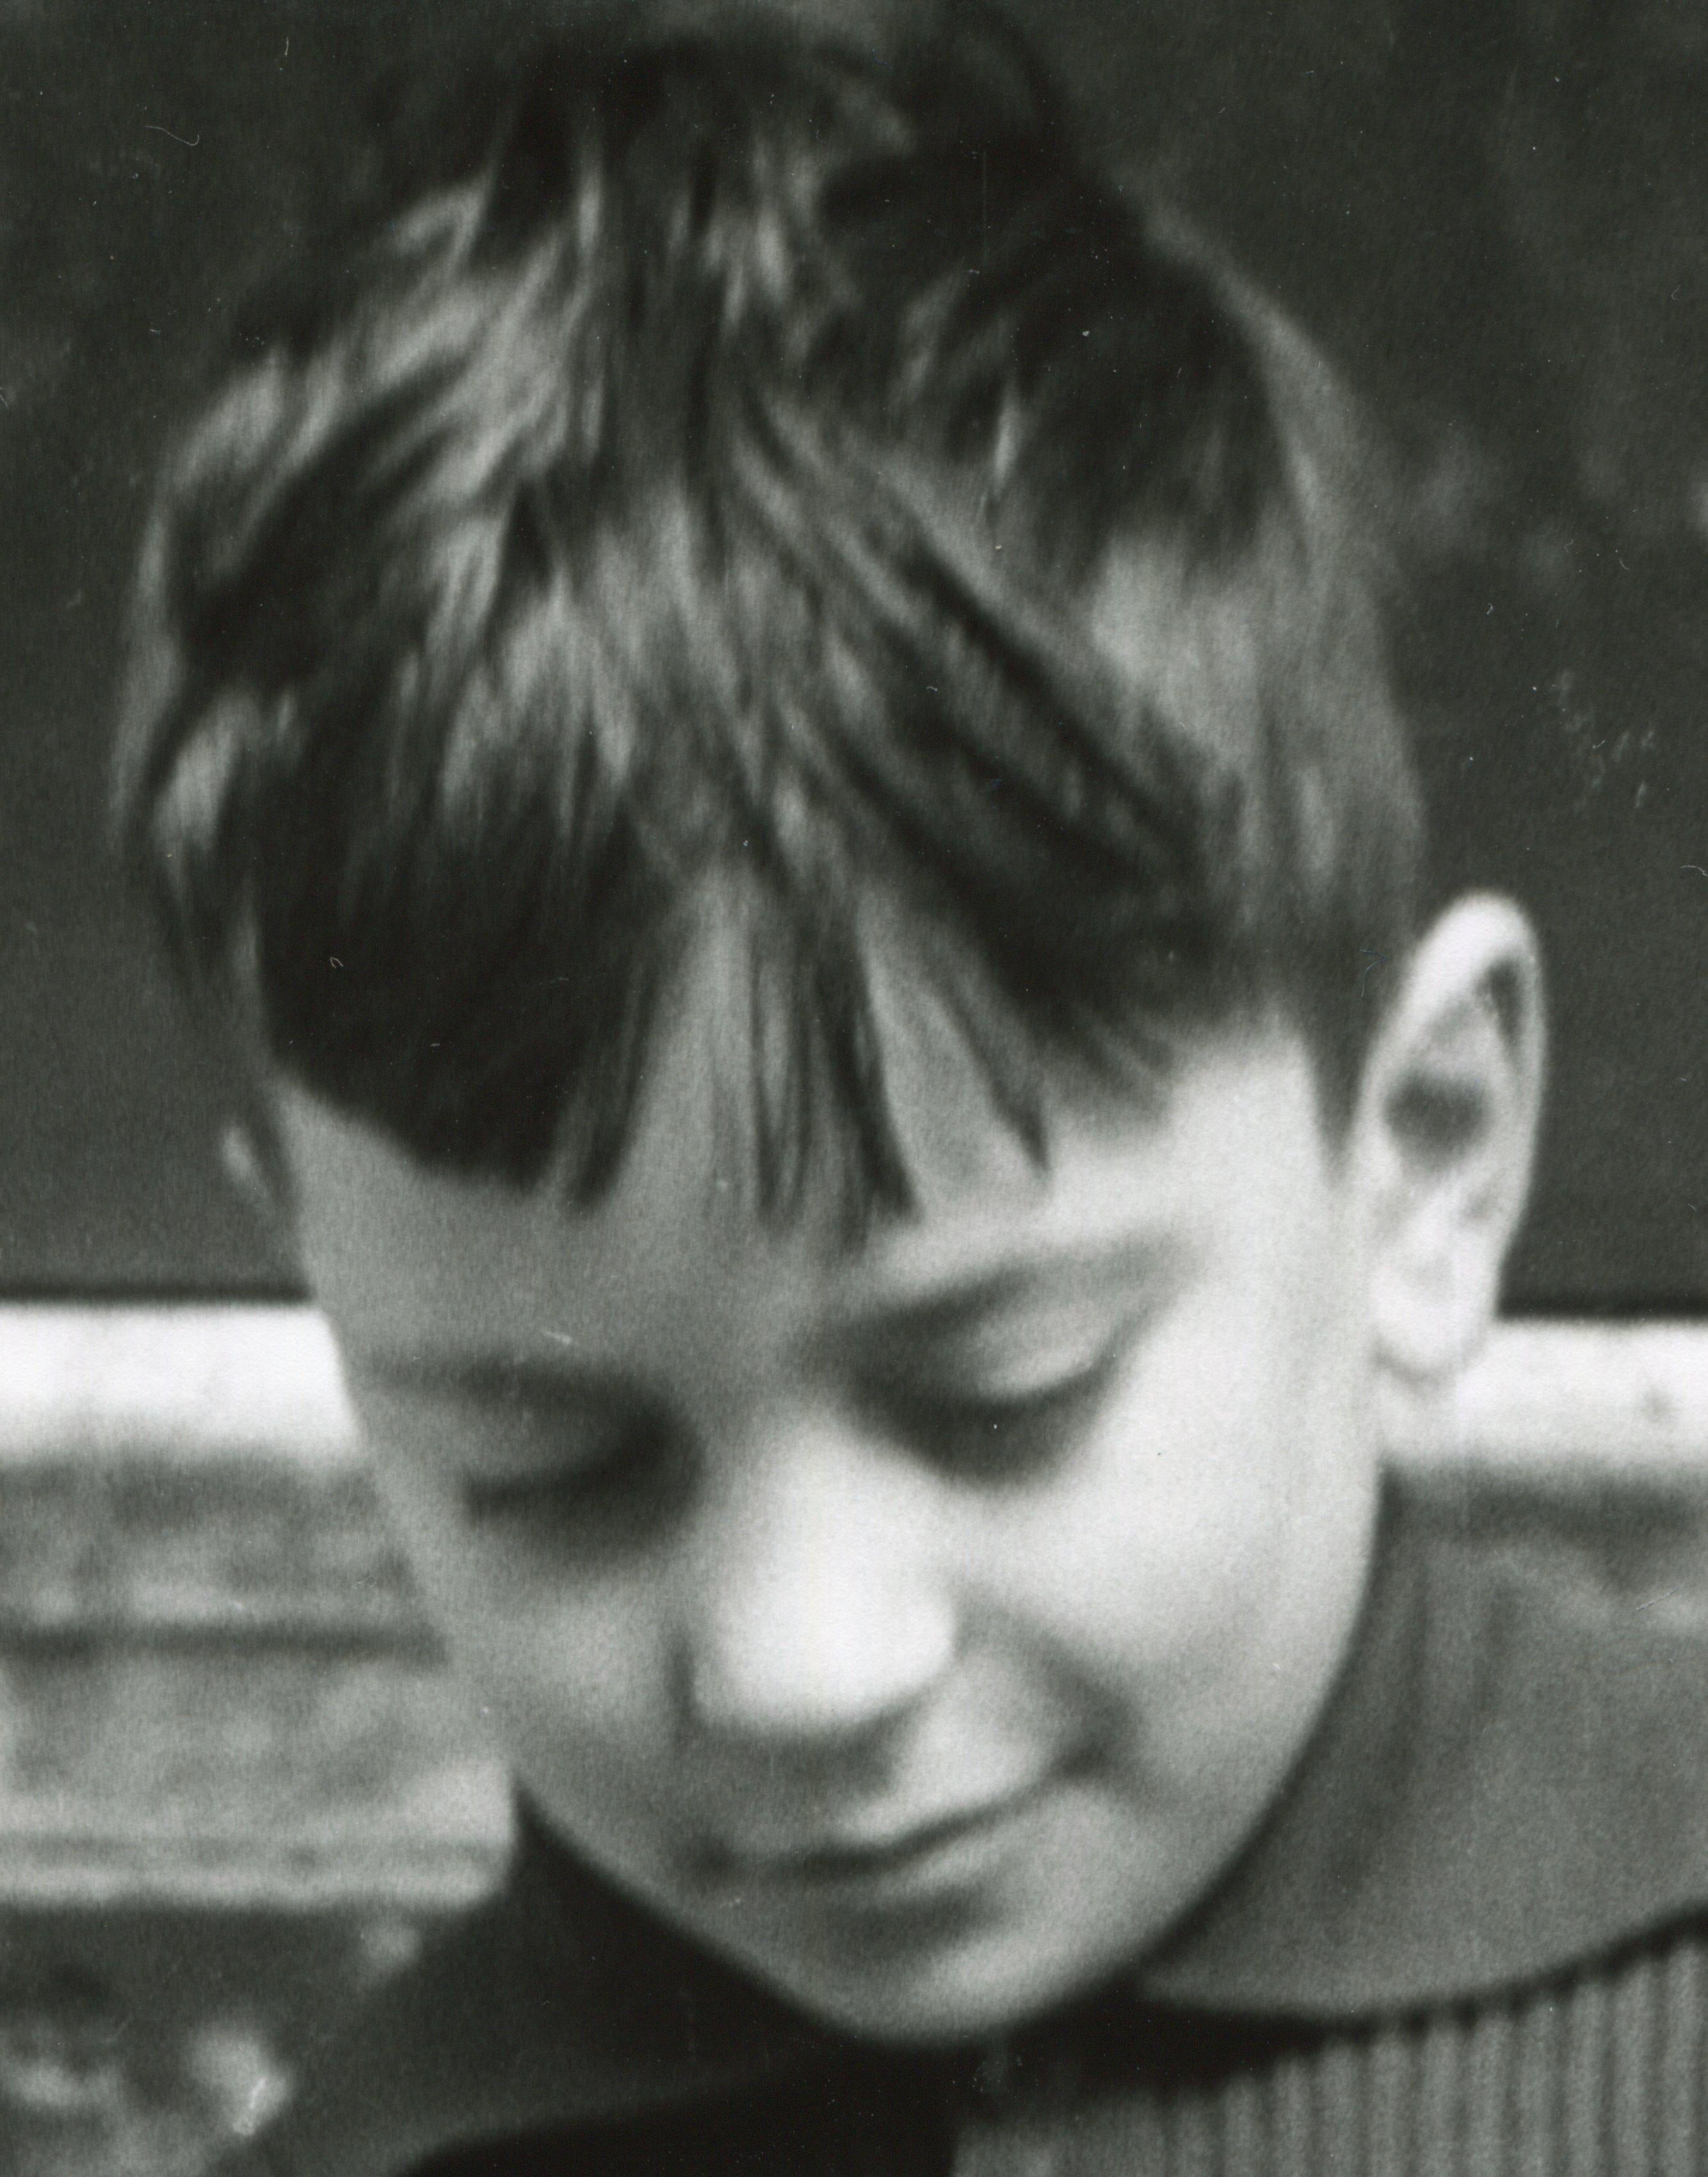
<point>578,1699</point>
<point>569,1674</point>
<point>582,1716</point>
<point>1159,1548</point>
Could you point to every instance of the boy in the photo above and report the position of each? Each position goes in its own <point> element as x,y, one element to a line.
<point>765,719</point>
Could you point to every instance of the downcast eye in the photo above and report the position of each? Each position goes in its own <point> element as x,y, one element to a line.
<point>1004,1432</point>
<point>613,1484</point>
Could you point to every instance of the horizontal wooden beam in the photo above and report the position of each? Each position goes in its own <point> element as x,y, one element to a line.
<point>320,1869</point>
<point>283,1777</point>
<point>1629,1396</point>
<point>186,1385</point>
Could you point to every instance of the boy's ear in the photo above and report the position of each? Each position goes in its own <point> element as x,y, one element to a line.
<point>1446,1133</point>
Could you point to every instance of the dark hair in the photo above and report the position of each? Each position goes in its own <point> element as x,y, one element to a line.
<point>697,503</point>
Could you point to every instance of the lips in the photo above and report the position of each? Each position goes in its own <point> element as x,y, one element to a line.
<point>877,1856</point>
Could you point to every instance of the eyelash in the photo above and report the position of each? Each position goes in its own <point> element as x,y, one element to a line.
<point>970,1436</point>
<point>629,1476</point>
<point>1004,1437</point>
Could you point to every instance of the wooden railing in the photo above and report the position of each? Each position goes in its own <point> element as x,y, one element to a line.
<point>232,1768</point>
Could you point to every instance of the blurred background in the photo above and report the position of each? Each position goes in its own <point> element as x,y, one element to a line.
<point>233,1791</point>
<point>1493,212</point>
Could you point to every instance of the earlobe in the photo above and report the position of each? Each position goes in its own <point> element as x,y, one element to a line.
<point>1447,1126</point>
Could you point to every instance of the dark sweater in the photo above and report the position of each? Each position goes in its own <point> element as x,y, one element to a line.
<point>1472,1936</point>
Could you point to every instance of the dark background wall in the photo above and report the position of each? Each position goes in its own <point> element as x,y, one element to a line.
<point>1494,213</point>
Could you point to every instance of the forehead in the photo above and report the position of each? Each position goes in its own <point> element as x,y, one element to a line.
<point>397,1250</point>
<point>685,1192</point>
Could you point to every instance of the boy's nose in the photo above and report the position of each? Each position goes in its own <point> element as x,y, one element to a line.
<point>815,1615</point>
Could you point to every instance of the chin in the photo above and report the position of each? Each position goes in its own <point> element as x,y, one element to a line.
<point>956,1992</point>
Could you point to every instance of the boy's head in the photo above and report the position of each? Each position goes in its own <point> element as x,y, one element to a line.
<point>766,719</point>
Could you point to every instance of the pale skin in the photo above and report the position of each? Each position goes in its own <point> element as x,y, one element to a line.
<point>925,1628</point>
